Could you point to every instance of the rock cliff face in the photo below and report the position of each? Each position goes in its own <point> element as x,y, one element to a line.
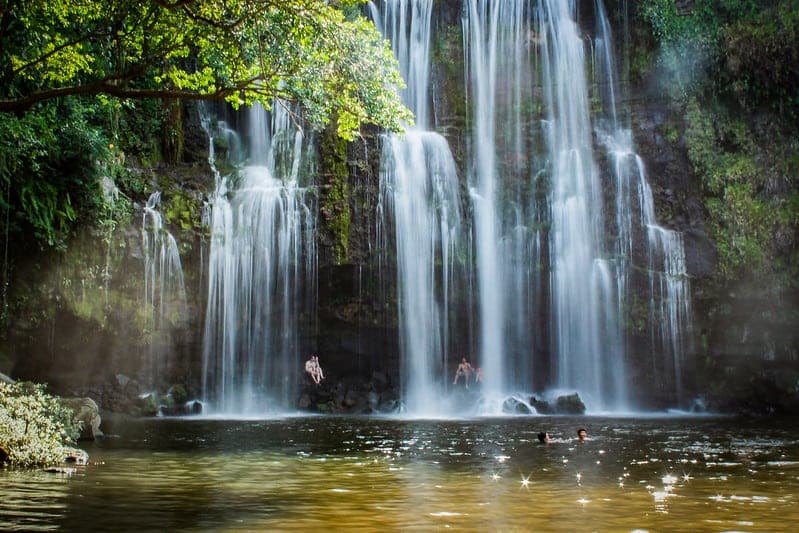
<point>80,316</point>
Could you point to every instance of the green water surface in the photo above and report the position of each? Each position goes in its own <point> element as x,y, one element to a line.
<point>379,474</point>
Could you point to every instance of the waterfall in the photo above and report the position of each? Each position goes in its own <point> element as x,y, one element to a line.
<point>537,256</point>
<point>262,270</point>
<point>420,199</point>
<point>585,311</point>
<point>661,257</point>
<point>164,290</point>
<point>506,225</point>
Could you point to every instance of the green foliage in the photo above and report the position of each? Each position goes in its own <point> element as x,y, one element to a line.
<point>34,426</point>
<point>178,394</point>
<point>149,406</point>
<point>731,65</point>
<point>242,51</point>
<point>742,217</point>
<point>741,50</point>
<point>48,169</point>
<point>182,210</point>
<point>741,226</point>
<point>334,195</point>
<point>761,51</point>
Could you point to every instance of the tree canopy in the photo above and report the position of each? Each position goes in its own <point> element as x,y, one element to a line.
<point>323,55</point>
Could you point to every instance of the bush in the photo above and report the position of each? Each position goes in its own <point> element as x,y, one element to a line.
<point>34,426</point>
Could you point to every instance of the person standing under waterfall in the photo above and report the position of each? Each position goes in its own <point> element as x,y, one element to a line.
<point>465,370</point>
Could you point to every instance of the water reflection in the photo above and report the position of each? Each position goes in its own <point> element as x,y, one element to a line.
<point>376,474</point>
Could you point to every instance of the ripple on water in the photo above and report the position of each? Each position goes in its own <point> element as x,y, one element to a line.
<point>396,475</point>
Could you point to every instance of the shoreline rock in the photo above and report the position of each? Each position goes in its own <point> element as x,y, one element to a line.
<point>87,413</point>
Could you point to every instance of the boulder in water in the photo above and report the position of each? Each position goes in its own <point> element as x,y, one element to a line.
<point>194,407</point>
<point>76,455</point>
<point>569,404</point>
<point>514,406</point>
<point>542,407</point>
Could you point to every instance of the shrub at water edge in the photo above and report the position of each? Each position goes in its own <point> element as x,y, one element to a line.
<point>34,426</point>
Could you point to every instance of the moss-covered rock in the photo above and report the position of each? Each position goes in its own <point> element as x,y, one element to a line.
<point>334,198</point>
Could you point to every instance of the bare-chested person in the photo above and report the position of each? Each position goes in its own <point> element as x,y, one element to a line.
<point>310,368</point>
<point>319,374</point>
<point>465,370</point>
<point>314,369</point>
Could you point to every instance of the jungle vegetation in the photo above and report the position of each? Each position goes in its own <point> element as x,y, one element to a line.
<point>82,84</point>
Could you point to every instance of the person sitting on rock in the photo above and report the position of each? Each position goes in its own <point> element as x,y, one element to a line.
<point>310,368</point>
<point>465,370</point>
<point>318,368</point>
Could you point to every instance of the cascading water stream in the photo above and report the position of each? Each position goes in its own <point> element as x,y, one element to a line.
<point>420,199</point>
<point>585,302</point>
<point>262,272</point>
<point>164,289</point>
<point>666,285</point>
<point>498,79</point>
<point>547,262</point>
<point>540,238</point>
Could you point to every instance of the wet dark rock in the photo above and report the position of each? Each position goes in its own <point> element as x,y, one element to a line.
<point>389,406</point>
<point>515,407</point>
<point>373,400</point>
<point>570,404</point>
<point>194,407</point>
<point>353,394</point>
<point>542,407</point>
<point>701,256</point>
<point>76,455</point>
<point>352,398</point>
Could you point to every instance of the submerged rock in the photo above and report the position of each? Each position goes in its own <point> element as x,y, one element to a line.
<point>76,455</point>
<point>60,470</point>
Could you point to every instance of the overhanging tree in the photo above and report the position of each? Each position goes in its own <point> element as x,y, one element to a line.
<point>241,51</point>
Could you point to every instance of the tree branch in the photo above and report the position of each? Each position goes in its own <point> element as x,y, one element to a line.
<point>107,87</point>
